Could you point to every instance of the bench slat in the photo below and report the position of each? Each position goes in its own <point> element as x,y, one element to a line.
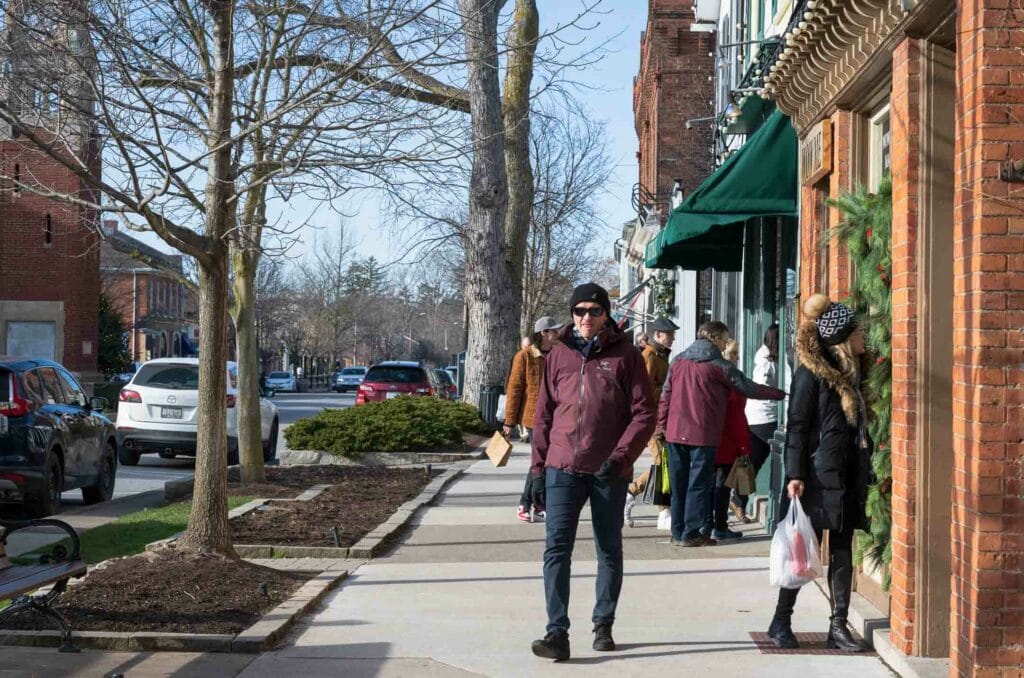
<point>22,578</point>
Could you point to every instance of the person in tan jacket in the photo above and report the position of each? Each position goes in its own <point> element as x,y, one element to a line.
<point>655,355</point>
<point>524,381</point>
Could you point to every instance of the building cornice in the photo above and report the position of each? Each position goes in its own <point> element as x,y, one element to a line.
<point>827,47</point>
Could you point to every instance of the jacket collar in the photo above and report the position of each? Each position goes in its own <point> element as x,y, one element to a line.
<point>657,349</point>
<point>701,351</point>
<point>609,335</point>
<point>534,351</point>
<point>815,357</point>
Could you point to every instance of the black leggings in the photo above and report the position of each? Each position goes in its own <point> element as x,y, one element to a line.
<point>840,575</point>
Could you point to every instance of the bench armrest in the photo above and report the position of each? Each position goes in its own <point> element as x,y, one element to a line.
<point>59,553</point>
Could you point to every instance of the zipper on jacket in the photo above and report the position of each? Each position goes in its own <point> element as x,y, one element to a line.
<point>579,409</point>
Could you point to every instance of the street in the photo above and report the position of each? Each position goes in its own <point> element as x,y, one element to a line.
<point>152,471</point>
<point>294,406</point>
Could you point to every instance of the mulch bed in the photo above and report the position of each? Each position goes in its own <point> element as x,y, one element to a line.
<point>284,482</point>
<point>360,500</point>
<point>170,591</point>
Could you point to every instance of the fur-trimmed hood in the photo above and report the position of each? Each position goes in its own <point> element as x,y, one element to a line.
<point>812,355</point>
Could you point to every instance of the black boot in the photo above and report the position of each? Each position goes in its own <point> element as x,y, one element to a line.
<point>554,645</point>
<point>781,630</point>
<point>603,638</point>
<point>840,582</point>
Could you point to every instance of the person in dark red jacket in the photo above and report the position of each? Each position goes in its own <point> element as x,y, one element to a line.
<point>594,417</point>
<point>692,415</point>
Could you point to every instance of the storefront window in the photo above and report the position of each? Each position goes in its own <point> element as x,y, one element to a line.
<point>823,214</point>
<point>879,156</point>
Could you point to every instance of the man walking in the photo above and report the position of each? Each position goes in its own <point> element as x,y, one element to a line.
<point>594,416</point>
<point>655,355</point>
<point>692,415</point>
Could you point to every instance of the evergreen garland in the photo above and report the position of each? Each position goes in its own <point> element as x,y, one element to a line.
<point>664,295</point>
<point>866,230</point>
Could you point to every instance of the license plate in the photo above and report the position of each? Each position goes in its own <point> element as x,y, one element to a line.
<point>393,395</point>
<point>3,424</point>
<point>170,412</point>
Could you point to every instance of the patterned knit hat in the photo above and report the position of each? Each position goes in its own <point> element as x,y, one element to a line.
<point>836,324</point>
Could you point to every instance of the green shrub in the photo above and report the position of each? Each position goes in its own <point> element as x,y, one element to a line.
<point>404,424</point>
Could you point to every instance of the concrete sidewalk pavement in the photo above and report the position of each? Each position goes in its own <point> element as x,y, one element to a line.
<point>463,595</point>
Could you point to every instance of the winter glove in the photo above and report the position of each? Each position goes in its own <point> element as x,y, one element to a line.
<point>537,491</point>
<point>609,469</point>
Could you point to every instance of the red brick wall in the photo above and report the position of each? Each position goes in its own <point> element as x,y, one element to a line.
<point>904,114</point>
<point>672,87</point>
<point>987,634</point>
<point>68,269</point>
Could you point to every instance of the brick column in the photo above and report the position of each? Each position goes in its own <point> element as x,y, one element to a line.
<point>904,115</point>
<point>987,620</point>
<point>839,182</point>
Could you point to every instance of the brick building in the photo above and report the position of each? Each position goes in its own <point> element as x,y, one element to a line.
<point>49,251</point>
<point>673,86</point>
<point>147,288</point>
<point>931,92</point>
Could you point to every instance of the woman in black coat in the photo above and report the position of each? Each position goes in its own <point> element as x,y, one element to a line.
<point>827,455</point>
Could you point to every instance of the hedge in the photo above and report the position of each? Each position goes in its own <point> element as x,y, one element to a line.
<point>403,424</point>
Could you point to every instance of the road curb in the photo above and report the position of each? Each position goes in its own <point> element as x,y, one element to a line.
<point>266,632</point>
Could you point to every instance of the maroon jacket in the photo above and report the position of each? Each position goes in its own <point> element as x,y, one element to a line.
<point>692,408</point>
<point>592,408</point>
<point>736,433</point>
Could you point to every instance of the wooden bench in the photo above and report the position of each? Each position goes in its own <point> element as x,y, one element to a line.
<point>56,567</point>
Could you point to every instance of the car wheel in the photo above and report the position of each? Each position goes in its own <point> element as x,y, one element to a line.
<point>103,490</point>
<point>270,447</point>
<point>127,457</point>
<point>47,502</point>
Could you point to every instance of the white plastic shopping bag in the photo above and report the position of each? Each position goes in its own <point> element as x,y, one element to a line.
<point>500,412</point>
<point>795,558</point>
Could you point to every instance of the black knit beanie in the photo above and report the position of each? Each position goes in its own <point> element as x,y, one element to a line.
<point>591,292</point>
<point>836,324</point>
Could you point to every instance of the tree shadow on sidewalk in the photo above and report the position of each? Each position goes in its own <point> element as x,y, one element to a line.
<point>622,654</point>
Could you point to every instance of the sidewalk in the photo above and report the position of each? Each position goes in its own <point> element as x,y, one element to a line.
<point>463,595</point>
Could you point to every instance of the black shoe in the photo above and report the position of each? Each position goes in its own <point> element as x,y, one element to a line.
<point>702,540</point>
<point>781,633</point>
<point>840,638</point>
<point>603,638</point>
<point>554,645</point>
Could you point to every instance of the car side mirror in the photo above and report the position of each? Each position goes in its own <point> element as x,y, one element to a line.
<point>98,403</point>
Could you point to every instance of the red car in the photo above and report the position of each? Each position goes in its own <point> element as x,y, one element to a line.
<point>393,378</point>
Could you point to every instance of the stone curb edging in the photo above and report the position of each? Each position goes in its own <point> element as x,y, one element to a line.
<point>373,542</point>
<point>262,635</point>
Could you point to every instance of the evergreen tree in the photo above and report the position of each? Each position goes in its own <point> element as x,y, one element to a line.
<point>112,357</point>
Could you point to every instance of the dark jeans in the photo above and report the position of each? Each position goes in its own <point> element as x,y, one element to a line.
<point>566,494</point>
<point>718,517</point>
<point>760,450</point>
<point>692,476</point>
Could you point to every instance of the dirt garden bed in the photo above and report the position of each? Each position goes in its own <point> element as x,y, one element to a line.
<point>285,482</point>
<point>170,592</point>
<point>359,500</point>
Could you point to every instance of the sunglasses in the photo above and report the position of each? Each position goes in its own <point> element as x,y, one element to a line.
<point>594,311</point>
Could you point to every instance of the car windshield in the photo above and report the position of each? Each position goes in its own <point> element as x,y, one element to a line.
<point>396,375</point>
<point>279,375</point>
<point>443,376</point>
<point>168,375</point>
<point>349,371</point>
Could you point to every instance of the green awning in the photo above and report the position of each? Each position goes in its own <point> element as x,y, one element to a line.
<point>758,180</point>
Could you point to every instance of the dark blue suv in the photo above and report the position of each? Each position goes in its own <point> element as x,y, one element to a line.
<point>52,437</point>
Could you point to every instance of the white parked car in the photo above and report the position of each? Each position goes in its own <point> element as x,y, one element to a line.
<point>157,412</point>
<point>282,381</point>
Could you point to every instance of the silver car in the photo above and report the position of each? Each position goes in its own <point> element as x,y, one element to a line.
<point>349,378</point>
<point>282,381</point>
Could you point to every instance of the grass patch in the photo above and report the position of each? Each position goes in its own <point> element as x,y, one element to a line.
<point>130,533</point>
<point>404,424</point>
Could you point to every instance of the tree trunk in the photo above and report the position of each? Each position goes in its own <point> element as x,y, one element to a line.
<point>250,438</point>
<point>489,292</point>
<point>522,39</point>
<point>208,520</point>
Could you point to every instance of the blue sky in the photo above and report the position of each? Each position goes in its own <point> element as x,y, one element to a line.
<point>606,91</point>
